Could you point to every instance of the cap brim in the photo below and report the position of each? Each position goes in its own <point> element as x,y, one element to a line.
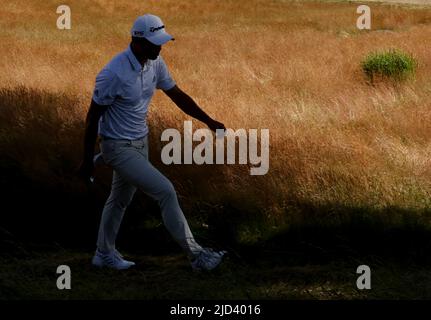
<point>160,38</point>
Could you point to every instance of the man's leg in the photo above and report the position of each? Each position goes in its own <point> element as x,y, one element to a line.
<point>133,165</point>
<point>121,195</point>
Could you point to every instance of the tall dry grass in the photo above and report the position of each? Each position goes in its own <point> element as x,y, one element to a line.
<point>292,67</point>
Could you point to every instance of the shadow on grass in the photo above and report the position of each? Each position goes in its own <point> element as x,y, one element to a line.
<point>321,234</point>
<point>43,200</point>
<point>45,203</point>
<point>50,218</point>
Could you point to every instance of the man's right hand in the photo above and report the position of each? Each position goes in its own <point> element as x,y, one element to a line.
<point>86,170</point>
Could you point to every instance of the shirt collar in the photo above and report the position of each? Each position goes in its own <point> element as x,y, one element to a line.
<point>135,63</point>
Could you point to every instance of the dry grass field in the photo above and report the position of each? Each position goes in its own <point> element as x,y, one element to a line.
<point>341,150</point>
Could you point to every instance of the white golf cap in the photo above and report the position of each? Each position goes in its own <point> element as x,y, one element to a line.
<point>151,28</point>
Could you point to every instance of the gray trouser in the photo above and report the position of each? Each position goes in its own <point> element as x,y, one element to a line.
<point>132,170</point>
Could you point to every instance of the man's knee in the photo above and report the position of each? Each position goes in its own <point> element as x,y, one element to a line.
<point>121,201</point>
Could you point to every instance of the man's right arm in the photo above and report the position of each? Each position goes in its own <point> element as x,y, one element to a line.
<point>91,129</point>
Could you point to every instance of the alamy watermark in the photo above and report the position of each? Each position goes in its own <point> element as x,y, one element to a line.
<point>64,21</point>
<point>364,280</point>
<point>364,20</point>
<point>180,149</point>
<point>65,278</point>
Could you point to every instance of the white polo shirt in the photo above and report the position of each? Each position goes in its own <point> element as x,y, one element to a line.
<point>127,88</point>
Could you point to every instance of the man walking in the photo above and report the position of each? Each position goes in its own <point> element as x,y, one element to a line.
<point>118,111</point>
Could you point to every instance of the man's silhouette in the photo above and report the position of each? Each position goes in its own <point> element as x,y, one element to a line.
<point>118,112</point>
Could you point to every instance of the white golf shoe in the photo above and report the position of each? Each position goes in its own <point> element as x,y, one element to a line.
<point>207,259</point>
<point>112,260</point>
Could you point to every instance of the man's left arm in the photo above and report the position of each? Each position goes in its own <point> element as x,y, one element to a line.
<point>187,104</point>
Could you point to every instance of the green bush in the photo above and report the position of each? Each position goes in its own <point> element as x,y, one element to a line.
<point>391,64</point>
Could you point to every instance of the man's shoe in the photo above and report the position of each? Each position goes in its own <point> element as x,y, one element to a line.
<point>112,260</point>
<point>207,259</point>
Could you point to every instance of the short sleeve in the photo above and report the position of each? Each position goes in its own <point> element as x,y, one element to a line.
<point>106,88</point>
<point>164,79</point>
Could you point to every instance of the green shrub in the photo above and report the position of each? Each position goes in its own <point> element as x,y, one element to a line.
<point>392,64</point>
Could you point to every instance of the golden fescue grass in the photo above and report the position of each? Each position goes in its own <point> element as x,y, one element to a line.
<point>291,67</point>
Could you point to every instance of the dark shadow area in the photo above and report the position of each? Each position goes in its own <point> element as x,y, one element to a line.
<point>405,239</point>
<point>44,202</point>
<point>46,206</point>
<point>326,234</point>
